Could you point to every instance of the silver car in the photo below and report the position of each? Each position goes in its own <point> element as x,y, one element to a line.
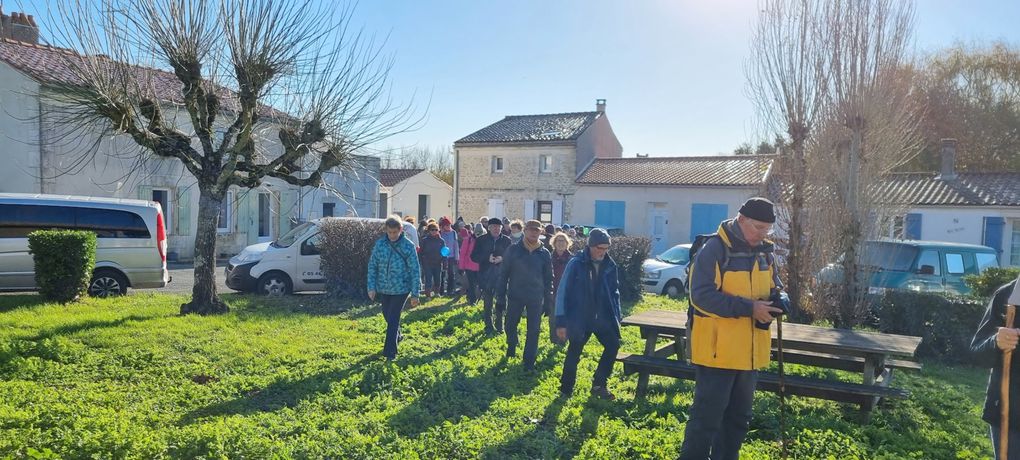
<point>130,245</point>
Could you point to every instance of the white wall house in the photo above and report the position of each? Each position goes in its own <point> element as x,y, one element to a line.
<point>414,192</point>
<point>44,155</point>
<point>524,166</point>
<point>668,199</point>
<point>959,207</point>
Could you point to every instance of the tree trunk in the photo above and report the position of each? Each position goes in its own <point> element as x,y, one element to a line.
<point>796,262</point>
<point>204,300</point>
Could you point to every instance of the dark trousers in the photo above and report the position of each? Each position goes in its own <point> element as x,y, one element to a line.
<point>450,277</point>
<point>515,310</point>
<point>720,414</point>
<point>608,335</point>
<point>392,305</point>
<point>1014,442</point>
<point>471,285</point>
<point>433,278</point>
<point>492,322</point>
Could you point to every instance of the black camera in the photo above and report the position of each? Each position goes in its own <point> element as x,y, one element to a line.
<point>781,301</point>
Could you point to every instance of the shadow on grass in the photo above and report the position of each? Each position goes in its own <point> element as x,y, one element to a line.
<point>74,328</point>
<point>288,393</point>
<point>543,442</point>
<point>460,395</point>
<point>16,301</point>
<point>278,395</point>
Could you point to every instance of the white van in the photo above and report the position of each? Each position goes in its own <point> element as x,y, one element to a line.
<point>130,239</point>
<point>291,263</point>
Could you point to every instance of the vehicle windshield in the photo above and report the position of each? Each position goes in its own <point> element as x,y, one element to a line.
<point>290,237</point>
<point>677,255</point>
<point>888,256</point>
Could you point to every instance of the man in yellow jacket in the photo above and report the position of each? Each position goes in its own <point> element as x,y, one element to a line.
<point>731,279</point>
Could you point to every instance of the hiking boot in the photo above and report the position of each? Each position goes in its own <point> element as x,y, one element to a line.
<point>566,392</point>
<point>602,393</point>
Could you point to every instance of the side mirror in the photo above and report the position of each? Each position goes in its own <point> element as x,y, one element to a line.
<point>926,270</point>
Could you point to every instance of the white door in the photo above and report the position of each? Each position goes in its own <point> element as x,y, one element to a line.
<point>309,270</point>
<point>265,217</point>
<point>496,208</point>
<point>658,223</point>
<point>529,210</point>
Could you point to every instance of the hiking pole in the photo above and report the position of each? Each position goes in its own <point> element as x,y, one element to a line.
<point>1007,358</point>
<point>782,388</point>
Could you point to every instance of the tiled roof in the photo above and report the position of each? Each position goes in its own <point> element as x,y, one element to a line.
<point>968,189</point>
<point>534,128</point>
<point>48,64</point>
<point>391,177</point>
<point>749,170</point>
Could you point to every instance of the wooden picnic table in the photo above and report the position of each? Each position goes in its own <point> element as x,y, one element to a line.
<point>872,354</point>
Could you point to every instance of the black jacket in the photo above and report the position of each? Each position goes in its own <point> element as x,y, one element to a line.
<point>526,276</point>
<point>431,251</point>
<point>485,247</point>
<point>987,354</point>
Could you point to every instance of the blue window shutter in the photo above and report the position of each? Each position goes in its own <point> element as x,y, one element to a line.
<point>705,218</point>
<point>912,226</point>
<point>993,233</point>
<point>610,213</point>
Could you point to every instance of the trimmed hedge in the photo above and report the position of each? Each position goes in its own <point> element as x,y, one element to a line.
<point>346,248</point>
<point>629,252</point>
<point>945,324</point>
<point>64,260</point>
<point>984,285</point>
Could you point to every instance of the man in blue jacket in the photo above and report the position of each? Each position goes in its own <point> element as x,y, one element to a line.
<point>588,302</point>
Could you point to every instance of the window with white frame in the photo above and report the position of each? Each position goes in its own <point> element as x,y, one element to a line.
<point>225,220</point>
<point>497,164</point>
<point>1014,246</point>
<point>544,163</point>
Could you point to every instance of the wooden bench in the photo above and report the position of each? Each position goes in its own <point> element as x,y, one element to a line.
<point>832,390</point>
<point>840,362</point>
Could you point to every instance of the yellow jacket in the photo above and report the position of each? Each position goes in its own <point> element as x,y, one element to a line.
<point>727,276</point>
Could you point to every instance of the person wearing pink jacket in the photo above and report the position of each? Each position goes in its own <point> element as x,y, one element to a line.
<point>470,267</point>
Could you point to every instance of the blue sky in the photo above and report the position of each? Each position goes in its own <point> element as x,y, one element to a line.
<point>672,71</point>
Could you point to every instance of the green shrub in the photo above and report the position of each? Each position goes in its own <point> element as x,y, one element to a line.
<point>346,248</point>
<point>985,284</point>
<point>64,260</point>
<point>629,252</point>
<point>945,324</point>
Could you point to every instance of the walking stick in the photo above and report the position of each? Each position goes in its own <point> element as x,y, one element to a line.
<point>1007,358</point>
<point>782,388</point>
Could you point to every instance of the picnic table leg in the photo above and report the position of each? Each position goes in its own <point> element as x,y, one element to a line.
<point>874,364</point>
<point>642,381</point>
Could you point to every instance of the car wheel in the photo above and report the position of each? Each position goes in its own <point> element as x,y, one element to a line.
<point>107,283</point>
<point>274,284</point>
<point>674,289</point>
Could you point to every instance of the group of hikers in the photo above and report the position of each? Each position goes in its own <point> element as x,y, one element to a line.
<point>735,295</point>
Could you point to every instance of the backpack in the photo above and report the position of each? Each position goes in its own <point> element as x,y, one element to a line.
<point>696,245</point>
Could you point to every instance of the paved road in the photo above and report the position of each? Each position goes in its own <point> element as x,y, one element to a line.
<point>184,280</point>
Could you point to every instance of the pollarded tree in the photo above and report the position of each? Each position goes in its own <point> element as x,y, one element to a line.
<point>261,89</point>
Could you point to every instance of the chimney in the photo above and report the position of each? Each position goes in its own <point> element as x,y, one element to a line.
<point>600,105</point>
<point>19,26</point>
<point>948,171</point>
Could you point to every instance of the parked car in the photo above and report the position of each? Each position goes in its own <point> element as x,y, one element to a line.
<point>666,273</point>
<point>130,239</point>
<point>583,230</point>
<point>923,266</point>
<point>290,264</point>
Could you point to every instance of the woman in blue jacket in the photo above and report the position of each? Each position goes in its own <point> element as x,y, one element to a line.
<point>393,275</point>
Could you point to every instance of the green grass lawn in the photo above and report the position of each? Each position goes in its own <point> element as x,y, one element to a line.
<point>302,377</point>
